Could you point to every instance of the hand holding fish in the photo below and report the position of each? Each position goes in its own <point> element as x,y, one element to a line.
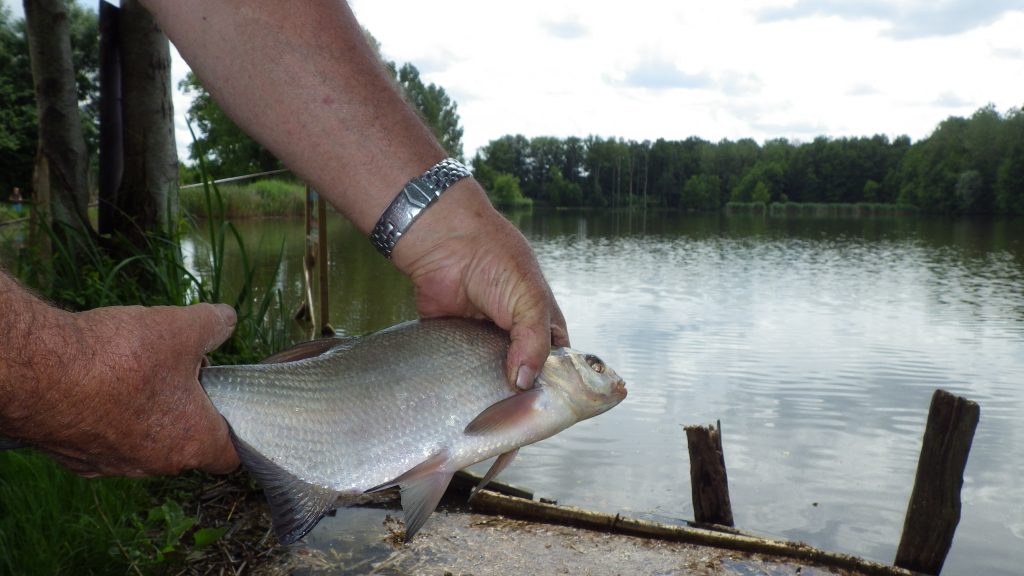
<point>467,260</point>
<point>115,392</point>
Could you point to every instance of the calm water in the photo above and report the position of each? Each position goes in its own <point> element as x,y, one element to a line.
<point>817,344</point>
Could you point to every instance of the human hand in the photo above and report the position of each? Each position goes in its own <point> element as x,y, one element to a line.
<point>130,402</point>
<point>466,259</point>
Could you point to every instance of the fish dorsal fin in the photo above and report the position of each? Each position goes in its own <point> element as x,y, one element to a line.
<point>309,349</point>
<point>505,414</point>
<point>500,463</point>
<point>296,506</point>
<point>422,487</point>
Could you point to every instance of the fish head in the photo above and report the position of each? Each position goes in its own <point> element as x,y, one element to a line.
<point>590,386</point>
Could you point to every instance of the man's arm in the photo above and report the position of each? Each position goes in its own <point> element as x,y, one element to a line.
<point>301,78</point>
<point>112,391</point>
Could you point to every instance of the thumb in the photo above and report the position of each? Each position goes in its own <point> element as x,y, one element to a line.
<point>214,323</point>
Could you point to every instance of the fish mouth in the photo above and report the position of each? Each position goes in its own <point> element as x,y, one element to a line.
<point>619,388</point>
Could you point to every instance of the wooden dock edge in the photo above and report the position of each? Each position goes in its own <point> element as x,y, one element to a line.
<point>731,539</point>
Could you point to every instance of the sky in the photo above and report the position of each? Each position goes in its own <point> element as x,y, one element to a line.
<point>649,69</point>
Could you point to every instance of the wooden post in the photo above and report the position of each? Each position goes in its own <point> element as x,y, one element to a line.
<point>709,482</point>
<point>321,222</point>
<point>934,509</point>
<point>305,312</point>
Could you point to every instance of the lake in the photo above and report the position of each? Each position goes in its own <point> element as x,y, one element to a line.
<point>817,343</point>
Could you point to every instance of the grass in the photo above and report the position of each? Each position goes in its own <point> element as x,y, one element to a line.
<point>52,521</point>
<point>259,199</point>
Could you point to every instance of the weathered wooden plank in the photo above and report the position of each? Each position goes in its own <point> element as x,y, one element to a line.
<point>708,479</point>
<point>729,539</point>
<point>934,509</point>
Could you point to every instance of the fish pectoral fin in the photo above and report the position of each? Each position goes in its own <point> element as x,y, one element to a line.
<point>422,487</point>
<point>420,498</point>
<point>499,464</point>
<point>309,349</point>
<point>296,506</point>
<point>505,414</point>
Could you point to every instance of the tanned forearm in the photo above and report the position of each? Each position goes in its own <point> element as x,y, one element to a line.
<point>300,78</point>
<point>38,340</point>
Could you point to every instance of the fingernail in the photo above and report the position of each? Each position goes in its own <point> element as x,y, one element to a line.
<point>525,377</point>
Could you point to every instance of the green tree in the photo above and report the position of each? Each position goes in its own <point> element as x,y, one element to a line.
<point>435,107</point>
<point>702,192</point>
<point>228,150</point>
<point>1010,182</point>
<point>505,191</point>
<point>18,117</point>
<point>563,192</point>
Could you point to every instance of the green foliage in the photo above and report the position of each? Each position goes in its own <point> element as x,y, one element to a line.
<point>505,192</point>
<point>702,193</point>
<point>1010,182</point>
<point>53,522</point>
<point>437,110</point>
<point>18,116</point>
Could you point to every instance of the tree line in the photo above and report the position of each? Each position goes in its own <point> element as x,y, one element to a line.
<point>969,165</point>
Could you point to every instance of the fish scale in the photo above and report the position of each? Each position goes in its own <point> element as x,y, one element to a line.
<point>394,408</point>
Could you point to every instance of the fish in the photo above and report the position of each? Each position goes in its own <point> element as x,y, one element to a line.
<point>404,407</point>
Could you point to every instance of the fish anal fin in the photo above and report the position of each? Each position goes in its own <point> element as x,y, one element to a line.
<point>308,349</point>
<point>500,464</point>
<point>296,506</point>
<point>422,487</point>
<point>508,413</point>
<point>420,497</point>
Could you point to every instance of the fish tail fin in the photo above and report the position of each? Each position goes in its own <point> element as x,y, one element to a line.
<point>295,506</point>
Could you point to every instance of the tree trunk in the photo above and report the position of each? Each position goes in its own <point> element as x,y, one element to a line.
<point>61,161</point>
<point>111,126</point>
<point>149,187</point>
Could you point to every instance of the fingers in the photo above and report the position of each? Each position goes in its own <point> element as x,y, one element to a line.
<point>215,321</point>
<point>218,456</point>
<point>535,329</point>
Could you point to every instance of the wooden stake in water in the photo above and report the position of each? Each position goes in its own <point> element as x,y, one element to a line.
<point>325,313</point>
<point>708,480</point>
<point>934,509</point>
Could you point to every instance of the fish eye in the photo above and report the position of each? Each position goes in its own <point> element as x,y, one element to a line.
<point>595,363</point>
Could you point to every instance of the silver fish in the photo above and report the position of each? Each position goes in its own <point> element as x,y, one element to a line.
<point>407,406</point>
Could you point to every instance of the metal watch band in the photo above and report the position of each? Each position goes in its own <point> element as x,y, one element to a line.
<point>419,193</point>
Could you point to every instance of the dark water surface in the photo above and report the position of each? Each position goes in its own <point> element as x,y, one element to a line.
<point>817,343</point>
